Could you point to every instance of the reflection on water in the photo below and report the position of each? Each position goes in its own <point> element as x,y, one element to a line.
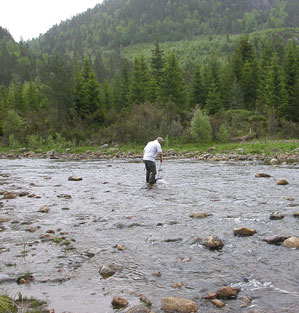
<point>112,205</point>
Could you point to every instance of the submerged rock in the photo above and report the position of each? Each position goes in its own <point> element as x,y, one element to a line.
<point>9,195</point>
<point>199,215</point>
<point>296,214</point>
<point>44,209</point>
<point>244,231</point>
<point>139,309</point>
<point>258,175</point>
<point>180,305</point>
<point>145,300</point>
<point>276,240</point>
<point>218,303</point>
<point>276,216</point>
<point>108,270</point>
<point>282,182</point>
<point>119,302</point>
<point>227,292</point>
<point>213,243</point>
<point>75,178</point>
<point>292,242</point>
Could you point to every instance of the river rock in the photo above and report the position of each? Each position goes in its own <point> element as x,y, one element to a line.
<point>274,161</point>
<point>139,309</point>
<point>276,240</point>
<point>75,178</point>
<point>44,209</point>
<point>276,216</point>
<point>296,214</point>
<point>64,196</point>
<point>210,295</point>
<point>4,219</point>
<point>199,215</point>
<point>282,182</point>
<point>108,270</point>
<point>119,302</point>
<point>244,231</point>
<point>218,303</point>
<point>9,195</point>
<point>292,242</point>
<point>145,300</point>
<point>213,243</point>
<point>262,175</point>
<point>180,305</point>
<point>227,292</point>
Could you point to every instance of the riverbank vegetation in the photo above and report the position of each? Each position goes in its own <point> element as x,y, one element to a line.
<point>237,79</point>
<point>247,96</point>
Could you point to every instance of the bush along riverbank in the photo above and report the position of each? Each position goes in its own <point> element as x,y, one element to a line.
<point>269,153</point>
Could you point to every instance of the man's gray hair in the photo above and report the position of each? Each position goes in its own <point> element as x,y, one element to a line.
<point>160,139</point>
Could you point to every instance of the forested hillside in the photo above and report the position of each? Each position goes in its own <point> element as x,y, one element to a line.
<point>129,70</point>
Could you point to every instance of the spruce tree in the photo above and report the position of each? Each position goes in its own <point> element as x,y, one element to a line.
<point>291,72</point>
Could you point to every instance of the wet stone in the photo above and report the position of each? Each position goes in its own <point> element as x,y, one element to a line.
<point>282,182</point>
<point>119,302</point>
<point>218,303</point>
<point>108,270</point>
<point>9,195</point>
<point>180,305</point>
<point>244,231</point>
<point>213,243</point>
<point>276,216</point>
<point>274,161</point>
<point>75,178</point>
<point>44,209</point>
<point>227,292</point>
<point>199,215</point>
<point>64,196</point>
<point>139,309</point>
<point>276,240</point>
<point>292,242</point>
<point>145,300</point>
<point>296,214</point>
<point>258,175</point>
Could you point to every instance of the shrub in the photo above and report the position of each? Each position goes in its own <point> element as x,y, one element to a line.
<point>200,127</point>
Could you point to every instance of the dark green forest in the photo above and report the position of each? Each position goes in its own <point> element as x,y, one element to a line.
<point>127,71</point>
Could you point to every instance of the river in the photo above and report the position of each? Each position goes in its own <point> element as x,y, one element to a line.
<point>112,206</point>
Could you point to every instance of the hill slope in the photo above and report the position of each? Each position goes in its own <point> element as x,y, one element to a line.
<point>118,23</point>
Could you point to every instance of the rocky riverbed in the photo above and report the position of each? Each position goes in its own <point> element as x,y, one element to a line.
<point>85,234</point>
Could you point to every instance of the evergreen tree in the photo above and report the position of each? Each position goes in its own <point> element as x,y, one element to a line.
<point>140,81</point>
<point>173,87</point>
<point>274,89</point>
<point>213,104</point>
<point>197,93</point>
<point>291,72</point>
<point>157,64</point>
<point>87,95</point>
<point>249,83</point>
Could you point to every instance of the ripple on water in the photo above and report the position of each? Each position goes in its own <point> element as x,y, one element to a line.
<point>112,206</point>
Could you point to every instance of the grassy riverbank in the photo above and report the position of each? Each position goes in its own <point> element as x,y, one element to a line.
<point>266,147</point>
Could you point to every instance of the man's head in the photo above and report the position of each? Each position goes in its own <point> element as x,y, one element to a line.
<point>160,140</point>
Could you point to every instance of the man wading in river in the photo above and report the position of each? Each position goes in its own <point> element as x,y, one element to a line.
<point>151,150</point>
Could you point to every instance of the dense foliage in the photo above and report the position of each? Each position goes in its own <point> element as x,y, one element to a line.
<point>72,86</point>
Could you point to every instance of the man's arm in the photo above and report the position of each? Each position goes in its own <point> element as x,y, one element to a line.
<point>161,157</point>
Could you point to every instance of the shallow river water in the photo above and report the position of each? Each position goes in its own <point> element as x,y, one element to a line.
<point>111,205</point>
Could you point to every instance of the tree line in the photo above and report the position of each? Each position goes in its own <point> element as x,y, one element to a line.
<point>66,102</point>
